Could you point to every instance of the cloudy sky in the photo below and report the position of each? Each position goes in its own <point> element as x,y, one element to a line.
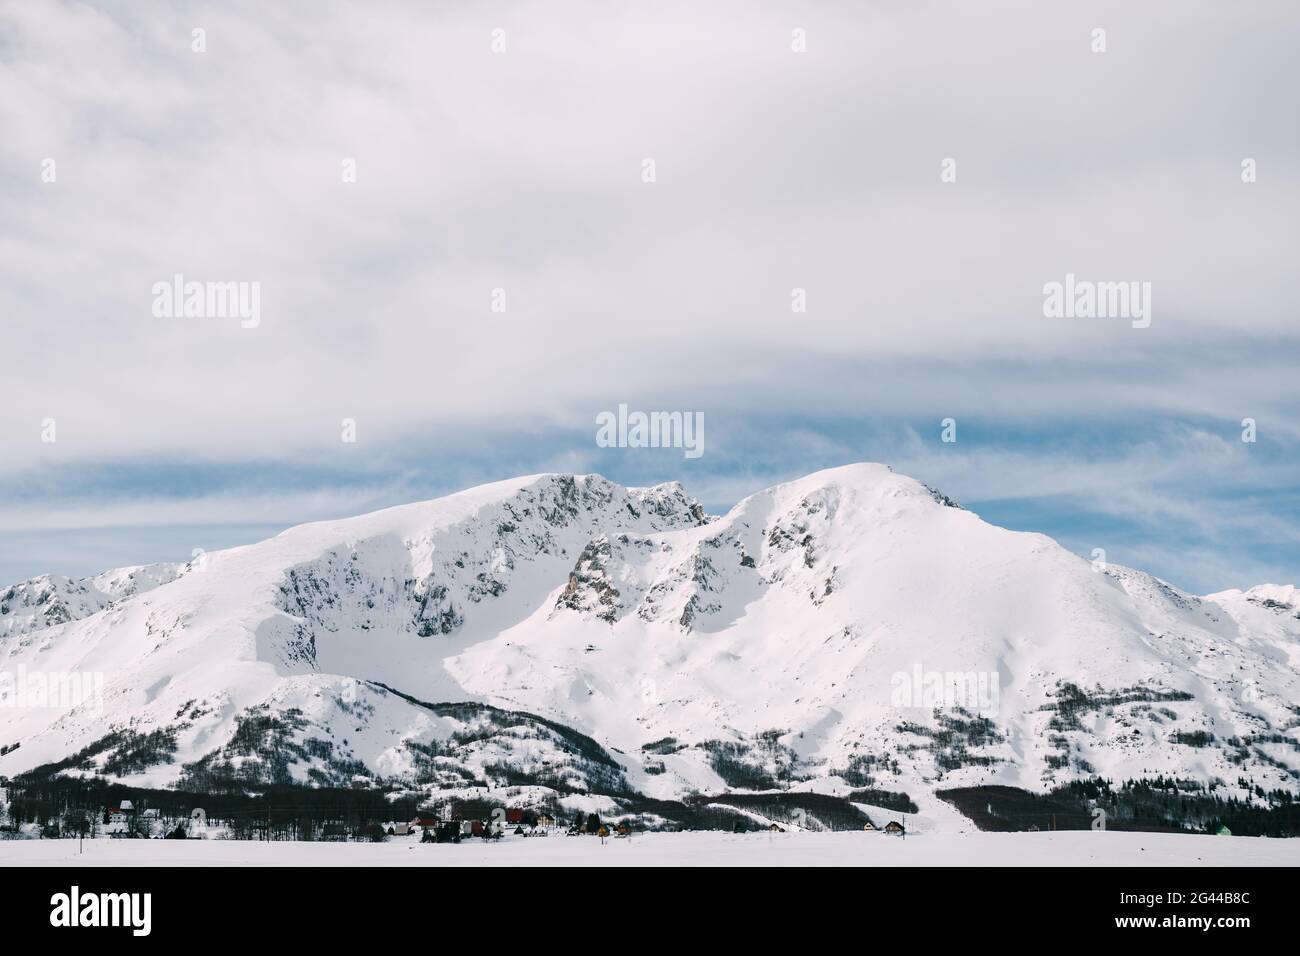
<point>127,157</point>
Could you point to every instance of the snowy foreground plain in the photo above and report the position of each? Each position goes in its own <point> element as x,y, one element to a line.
<point>1075,848</point>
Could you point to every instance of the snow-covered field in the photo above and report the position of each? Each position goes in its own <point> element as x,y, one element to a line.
<point>1074,848</point>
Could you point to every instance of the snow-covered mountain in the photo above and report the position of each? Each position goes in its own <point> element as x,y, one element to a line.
<point>853,630</point>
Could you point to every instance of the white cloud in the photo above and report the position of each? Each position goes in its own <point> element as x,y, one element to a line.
<point>520,170</point>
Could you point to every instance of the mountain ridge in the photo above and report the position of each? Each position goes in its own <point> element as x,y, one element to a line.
<point>774,646</point>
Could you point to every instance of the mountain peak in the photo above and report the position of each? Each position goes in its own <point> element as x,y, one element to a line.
<point>870,491</point>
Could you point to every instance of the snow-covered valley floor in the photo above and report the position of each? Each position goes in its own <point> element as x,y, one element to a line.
<point>1075,848</point>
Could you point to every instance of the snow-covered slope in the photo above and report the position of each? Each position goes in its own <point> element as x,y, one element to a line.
<point>613,640</point>
<point>54,599</point>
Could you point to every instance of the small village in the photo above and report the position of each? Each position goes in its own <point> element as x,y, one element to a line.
<point>449,823</point>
